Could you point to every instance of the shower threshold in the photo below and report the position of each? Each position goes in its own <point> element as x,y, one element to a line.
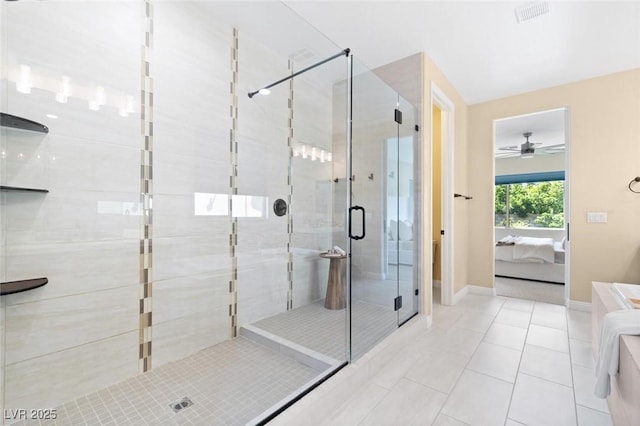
<point>323,331</point>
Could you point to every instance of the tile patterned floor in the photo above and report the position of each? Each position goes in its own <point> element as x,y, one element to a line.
<point>229,384</point>
<point>486,361</point>
<point>233,382</point>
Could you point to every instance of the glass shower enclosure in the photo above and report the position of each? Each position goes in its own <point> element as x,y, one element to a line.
<point>384,256</point>
<point>169,245</point>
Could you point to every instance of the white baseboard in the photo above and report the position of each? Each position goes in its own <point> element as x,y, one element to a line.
<point>459,295</point>
<point>485,291</point>
<point>437,283</point>
<point>579,306</point>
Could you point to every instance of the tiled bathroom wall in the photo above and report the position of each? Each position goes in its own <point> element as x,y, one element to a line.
<point>75,75</point>
<point>191,164</point>
<point>263,159</point>
<point>216,255</point>
<point>313,187</point>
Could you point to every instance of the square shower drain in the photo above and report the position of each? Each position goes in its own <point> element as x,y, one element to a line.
<point>181,405</point>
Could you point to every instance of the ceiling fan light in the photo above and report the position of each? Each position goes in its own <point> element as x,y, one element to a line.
<point>527,155</point>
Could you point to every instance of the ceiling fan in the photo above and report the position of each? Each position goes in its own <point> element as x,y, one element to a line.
<point>528,149</point>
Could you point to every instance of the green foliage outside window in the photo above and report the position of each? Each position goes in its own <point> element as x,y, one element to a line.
<point>539,204</point>
<point>501,199</point>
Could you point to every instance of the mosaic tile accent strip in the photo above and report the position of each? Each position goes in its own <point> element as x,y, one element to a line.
<point>290,192</point>
<point>146,196</point>
<point>230,383</point>
<point>233,184</point>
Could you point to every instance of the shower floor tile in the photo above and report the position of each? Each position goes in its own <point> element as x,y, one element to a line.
<point>229,384</point>
<point>324,330</point>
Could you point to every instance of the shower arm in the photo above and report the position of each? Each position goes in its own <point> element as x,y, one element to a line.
<point>345,52</point>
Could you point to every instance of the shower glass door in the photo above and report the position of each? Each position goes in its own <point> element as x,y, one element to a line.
<point>404,206</point>
<point>381,233</point>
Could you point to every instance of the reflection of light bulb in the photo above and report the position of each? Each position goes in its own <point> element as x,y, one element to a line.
<point>23,85</point>
<point>322,156</point>
<point>4,154</point>
<point>129,104</point>
<point>65,90</point>
<point>101,97</point>
<point>304,152</point>
<point>328,156</point>
<point>313,153</point>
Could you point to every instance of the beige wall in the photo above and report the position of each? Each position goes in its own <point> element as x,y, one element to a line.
<point>604,137</point>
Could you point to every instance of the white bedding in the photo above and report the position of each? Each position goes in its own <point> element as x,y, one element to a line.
<point>526,249</point>
<point>529,248</point>
<point>540,259</point>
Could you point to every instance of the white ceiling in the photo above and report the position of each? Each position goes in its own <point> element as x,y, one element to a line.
<point>547,129</point>
<point>480,46</point>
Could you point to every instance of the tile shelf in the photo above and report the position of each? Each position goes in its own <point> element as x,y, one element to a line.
<point>13,121</point>
<point>8,120</point>
<point>24,189</point>
<point>12,287</point>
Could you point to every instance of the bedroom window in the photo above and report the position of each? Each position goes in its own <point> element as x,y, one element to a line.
<point>522,203</point>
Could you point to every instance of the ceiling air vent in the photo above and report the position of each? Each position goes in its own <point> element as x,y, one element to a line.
<point>531,10</point>
<point>302,55</point>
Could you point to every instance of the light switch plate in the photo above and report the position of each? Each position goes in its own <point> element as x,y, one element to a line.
<point>596,217</point>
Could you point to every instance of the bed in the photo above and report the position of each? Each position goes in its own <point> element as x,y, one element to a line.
<point>530,258</point>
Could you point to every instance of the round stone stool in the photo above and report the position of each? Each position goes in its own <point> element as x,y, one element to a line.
<point>335,298</point>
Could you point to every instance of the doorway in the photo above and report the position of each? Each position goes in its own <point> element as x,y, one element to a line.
<point>442,213</point>
<point>531,206</point>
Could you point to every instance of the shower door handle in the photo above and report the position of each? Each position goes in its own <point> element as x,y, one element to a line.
<point>357,237</point>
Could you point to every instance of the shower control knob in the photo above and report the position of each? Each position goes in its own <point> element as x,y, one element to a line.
<point>280,207</point>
